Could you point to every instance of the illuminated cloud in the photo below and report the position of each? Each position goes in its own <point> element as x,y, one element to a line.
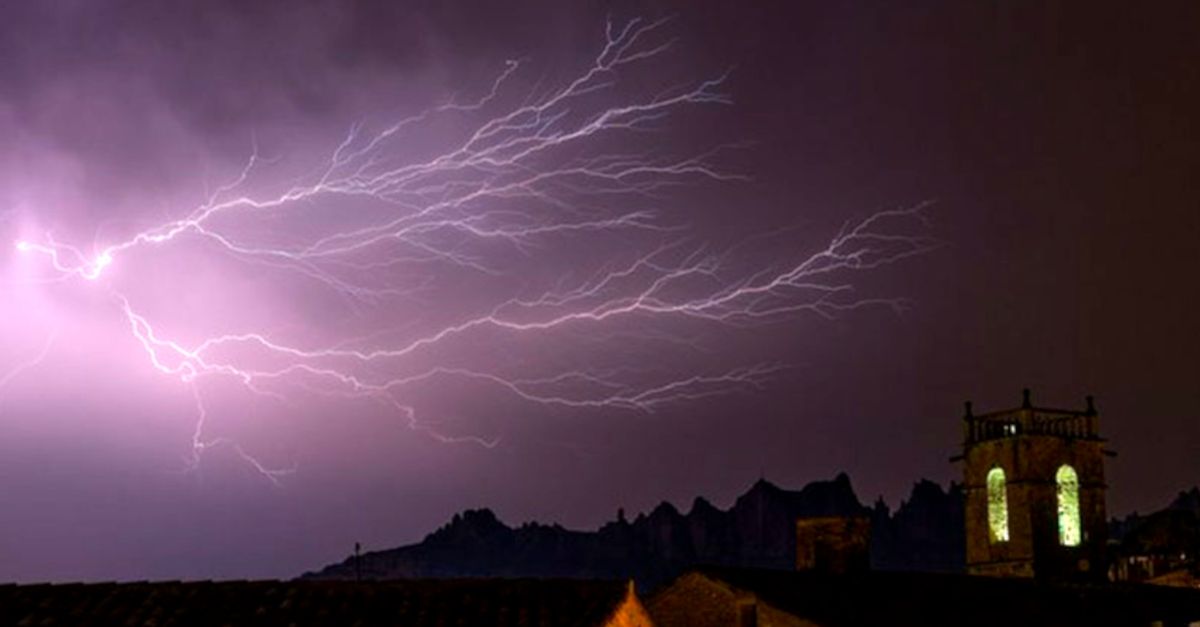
<point>514,242</point>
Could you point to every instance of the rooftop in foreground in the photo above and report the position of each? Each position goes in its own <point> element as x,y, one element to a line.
<point>930,600</point>
<point>412,603</point>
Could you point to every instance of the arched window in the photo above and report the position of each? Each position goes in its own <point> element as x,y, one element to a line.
<point>997,493</point>
<point>1069,529</point>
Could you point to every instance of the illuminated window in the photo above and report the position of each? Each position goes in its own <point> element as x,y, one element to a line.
<point>997,493</point>
<point>1069,530</point>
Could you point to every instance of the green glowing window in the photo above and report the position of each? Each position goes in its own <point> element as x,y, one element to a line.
<point>997,493</point>
<point>1069,529</point>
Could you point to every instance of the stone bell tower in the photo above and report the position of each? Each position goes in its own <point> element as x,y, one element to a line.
<point>1034,484</point>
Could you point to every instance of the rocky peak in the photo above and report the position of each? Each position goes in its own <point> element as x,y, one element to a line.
<point>1187,501</point>
<point>471,526</point>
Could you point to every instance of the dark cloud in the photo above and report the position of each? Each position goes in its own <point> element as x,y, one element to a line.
<point>1059,142</point>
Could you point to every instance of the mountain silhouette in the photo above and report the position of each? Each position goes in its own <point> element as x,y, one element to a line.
<point>757,531</point>
<point>1185,507</point>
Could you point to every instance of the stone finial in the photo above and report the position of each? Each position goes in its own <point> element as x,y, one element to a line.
<point>1091,405</point>
<point>1025,402</point>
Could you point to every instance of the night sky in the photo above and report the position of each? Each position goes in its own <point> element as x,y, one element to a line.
<point>248,319</point>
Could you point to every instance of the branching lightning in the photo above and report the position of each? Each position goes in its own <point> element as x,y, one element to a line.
<point>526,171</point>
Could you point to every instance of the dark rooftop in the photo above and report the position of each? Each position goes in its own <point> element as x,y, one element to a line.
<point>882,598</point>
<point>412,603</point>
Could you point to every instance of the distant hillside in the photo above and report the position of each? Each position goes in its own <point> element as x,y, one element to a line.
<point>1188,501</point>
<point>1174,530</point>
<point>1185,506</point>
<point>757,531</point>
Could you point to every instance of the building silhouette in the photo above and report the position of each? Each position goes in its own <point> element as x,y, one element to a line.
<point>1034,489</point>
<point>833,544</point>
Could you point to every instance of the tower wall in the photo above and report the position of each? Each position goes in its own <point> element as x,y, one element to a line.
<point>1030,445</point>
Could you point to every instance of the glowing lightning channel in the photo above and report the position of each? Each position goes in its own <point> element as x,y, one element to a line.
<point>517,178</point>
<point>21,368</point>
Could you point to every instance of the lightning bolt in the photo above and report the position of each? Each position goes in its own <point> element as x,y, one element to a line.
<point>533,167</point>
<point>22,367</point>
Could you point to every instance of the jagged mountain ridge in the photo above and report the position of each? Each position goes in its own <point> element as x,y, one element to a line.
<point>1186,502</point>
<point>1173,530</point>
<point>926,534</point>
<point>757,531</point>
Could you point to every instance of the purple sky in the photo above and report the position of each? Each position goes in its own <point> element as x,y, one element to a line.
<point>256,316</point>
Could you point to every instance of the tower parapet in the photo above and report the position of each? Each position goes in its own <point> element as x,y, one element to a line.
<point>1034,484</point>
<point>1030,420</point>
